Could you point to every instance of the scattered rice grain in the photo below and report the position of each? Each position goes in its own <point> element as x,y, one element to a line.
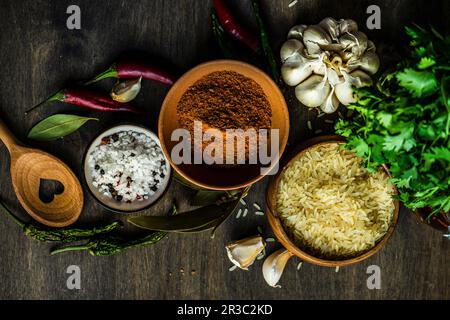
<point>292,3</point>
<point>257,207</point>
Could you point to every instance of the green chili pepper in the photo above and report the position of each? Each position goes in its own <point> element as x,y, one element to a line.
<point>38,233</point>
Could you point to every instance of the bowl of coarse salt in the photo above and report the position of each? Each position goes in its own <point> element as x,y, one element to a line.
<point>125,168</point>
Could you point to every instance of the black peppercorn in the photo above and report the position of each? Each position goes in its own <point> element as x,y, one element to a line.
<point>102,172</point>
<point>97,167</point>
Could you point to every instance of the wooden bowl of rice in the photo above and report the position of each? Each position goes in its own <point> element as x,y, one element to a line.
<point>328,210</point>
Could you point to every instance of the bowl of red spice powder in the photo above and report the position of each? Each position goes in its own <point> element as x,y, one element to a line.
<point>208,103</point>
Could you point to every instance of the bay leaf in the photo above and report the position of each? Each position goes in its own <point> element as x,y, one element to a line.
<point>57,126</point>
<point>207,197</point>
<point>204,217</point>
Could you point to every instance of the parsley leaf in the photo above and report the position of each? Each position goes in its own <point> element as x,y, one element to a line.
<point>404,122</point>
<point>418,83</point>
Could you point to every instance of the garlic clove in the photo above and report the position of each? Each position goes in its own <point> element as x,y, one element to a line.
<point>331,103</point>
<point>313,91</point>
<point>331,26</point>
<point>361,43</point>
<point>347,25</point>
<point>346,55</point>
<point>371,46</point>
<point>127,90</point>
<point>360,79</point>
<point>344,90</point>
<point>296,32</point>
<point>274,265</point>
<point>295,69</point>
<point>355,42</point>
<point>243,253</point>
<point>313,37</point>
<point>368,62</point>
<point>290,48</point>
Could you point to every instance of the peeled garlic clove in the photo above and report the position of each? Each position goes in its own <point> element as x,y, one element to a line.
<point>331,26</point>
<point>274,265</point>
<point>313,91</point>
<point>313,37</point>
<point>330,104</point>
<point>368,62</point>
<point>344,90</point>
<point>296,32</point>
<point>290,48</point>
<point>125,91</point>
<point>243,253</point>
<point>347,25</point>
<point>295,69</point>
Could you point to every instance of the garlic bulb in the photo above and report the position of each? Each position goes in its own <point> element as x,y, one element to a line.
<point>274,265</point>
<point>326,61</point>
<point>243,253</point>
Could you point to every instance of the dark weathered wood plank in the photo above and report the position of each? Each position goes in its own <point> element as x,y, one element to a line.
<point>39,55</point>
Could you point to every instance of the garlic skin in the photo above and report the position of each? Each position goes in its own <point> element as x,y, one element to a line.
<point>243,253</point>
<point>325,61</point>
<point>125,91</point>
<point>274,265</point>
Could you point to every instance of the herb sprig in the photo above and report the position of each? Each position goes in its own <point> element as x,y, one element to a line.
<point>405,122</point>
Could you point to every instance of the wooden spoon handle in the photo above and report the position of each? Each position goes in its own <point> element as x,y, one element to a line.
<point>7,137</point>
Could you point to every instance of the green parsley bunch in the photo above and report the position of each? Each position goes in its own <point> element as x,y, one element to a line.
<point>404,122</point>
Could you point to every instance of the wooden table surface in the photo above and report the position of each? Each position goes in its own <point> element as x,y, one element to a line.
<point>40,55</point>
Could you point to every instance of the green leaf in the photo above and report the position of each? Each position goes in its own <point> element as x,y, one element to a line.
<point>57,126</point>
<point>426,62</point>
<point>385,118</point>
<point>418,83</point>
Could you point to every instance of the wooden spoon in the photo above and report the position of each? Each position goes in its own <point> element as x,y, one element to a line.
<point>28,168</point>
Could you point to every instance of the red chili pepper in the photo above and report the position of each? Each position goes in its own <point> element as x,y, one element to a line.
<point>233,27</point>
<point>130,69</point>
<point>89,99</point>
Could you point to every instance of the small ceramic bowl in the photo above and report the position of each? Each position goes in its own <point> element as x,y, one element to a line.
<point>277,225</point>
<point>110,203</point>
<point>213,177</point>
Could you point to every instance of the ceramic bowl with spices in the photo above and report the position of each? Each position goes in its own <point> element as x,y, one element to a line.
<point>125,168</point>
<point>327,209</point>
<point>224,102</point>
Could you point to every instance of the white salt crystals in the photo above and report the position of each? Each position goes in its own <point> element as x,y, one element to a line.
<point>127,166</point>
